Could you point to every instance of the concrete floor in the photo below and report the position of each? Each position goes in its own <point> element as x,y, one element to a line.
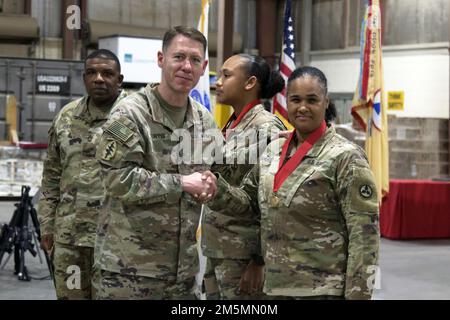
<point>408,270</point>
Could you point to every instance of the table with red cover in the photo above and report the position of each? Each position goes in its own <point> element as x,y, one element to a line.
<point>416,209</point>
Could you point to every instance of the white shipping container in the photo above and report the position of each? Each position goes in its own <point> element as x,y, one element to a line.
<point>138,57</point>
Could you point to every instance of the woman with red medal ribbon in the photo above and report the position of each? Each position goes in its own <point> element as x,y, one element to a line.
<point>228,241</point>
<point>316,201</point>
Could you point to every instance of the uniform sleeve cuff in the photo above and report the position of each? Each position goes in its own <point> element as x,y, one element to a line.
<point>175,189</point>
<point>221,194</point>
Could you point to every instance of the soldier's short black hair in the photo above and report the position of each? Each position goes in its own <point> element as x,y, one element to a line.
<point>103,54</point>
<point>330,113</point>
<point>188,32</point>
<point>271,82</point>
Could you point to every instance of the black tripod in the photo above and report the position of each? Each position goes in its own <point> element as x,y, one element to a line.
<point>19,236</point>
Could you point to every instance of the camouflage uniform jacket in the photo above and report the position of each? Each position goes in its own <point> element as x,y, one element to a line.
<point>225,236</point>
<point>72,192</point>
<point>148,225</point>
<point>320,231</point>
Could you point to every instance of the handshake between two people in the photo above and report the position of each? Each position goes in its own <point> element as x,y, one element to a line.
<point>202,186</point>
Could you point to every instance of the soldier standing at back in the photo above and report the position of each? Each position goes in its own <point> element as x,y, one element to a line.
<point>72,192</point>
<point>229,241</point>
<point>146,244</point>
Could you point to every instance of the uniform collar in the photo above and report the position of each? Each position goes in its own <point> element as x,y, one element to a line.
<point>319,145</point>
<point>243,116</point>
<point>83,112</point>
<point>158,114</point>
<point>248,117</point>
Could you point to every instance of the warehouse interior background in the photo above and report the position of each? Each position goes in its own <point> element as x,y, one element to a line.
<point>37,47</point>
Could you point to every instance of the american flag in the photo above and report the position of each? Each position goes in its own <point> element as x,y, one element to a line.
<point>287,63</point>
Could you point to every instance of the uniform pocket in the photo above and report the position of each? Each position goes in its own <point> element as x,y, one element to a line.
<point>292,189</point>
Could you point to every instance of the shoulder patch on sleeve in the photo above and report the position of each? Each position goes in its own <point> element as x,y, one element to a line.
<point>366,191</point>
<point>109,151</point>
<point>119,131</point>
<point>362,191</point>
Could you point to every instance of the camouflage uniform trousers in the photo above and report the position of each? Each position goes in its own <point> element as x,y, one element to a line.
<point>73,271</point>
<point>116,286</point>
<point>222,279</point>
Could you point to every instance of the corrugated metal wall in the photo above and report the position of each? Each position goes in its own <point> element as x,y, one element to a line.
<point>167,13</point>
<point>405,22</point>
<point>48,15</point>
<point>327,22</point>
<point>416,21</point>
<point>12,6</point>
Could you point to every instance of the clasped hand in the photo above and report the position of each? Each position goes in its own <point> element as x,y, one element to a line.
<point>202,186</point>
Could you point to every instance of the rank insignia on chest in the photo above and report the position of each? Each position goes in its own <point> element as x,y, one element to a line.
<point>110,150</point>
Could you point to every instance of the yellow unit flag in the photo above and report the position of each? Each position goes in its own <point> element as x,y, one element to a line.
<point>368,106</point>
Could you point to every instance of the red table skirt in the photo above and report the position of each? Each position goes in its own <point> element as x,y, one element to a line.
<point>416,209</point>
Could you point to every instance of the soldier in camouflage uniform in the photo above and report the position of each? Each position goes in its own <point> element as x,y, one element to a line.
<point>72,191</point>
<point>227,241</point>
<point>146,240</point>
<point>317,205</point>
